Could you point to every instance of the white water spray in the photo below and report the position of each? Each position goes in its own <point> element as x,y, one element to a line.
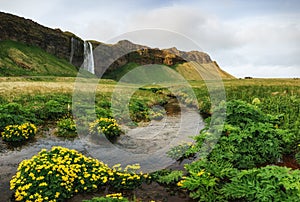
<point>88,63</point>
<point>72,50</point>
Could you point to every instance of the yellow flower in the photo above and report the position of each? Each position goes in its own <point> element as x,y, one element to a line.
<point>116,195</point>
<point>180,183</point>
<point>57,194</point>
<point>200,173</point>
<point>43,184</point>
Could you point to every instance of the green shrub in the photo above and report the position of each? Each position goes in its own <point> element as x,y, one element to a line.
<point>249,137</point>
<point>248,147</point>
<point>270,183</point>
<point>66,128</point>
<point>107,126</point>
<point>167,177</point>
<point>17,133</point>
<point>54,110</point>
<point>180,151</point>
<point>102,112</point>
<point>58,174</point>
<point>138,110</point>
<point>206,178</point>
<point>14,113</point>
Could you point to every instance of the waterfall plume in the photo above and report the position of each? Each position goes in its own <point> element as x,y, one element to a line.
<point>88,63</point>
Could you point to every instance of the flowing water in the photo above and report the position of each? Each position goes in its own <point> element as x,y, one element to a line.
<point>144,145</point>
<point>88,63</point>
<point>72,50</point>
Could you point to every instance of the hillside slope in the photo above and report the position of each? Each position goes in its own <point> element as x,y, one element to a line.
<point>189,71</point>
<point>17,59</point>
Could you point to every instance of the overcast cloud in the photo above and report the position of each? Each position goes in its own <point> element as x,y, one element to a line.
<point>246,38</point>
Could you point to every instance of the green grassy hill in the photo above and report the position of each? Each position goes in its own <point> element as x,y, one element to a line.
<point>17,59</point>
<point>189,70</point>
<point>192,71</point>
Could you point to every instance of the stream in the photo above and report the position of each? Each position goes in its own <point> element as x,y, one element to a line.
<point>145,145</point>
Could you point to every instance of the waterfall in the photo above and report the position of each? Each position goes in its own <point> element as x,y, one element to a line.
<point>88,63</point>
<point>72,50</point>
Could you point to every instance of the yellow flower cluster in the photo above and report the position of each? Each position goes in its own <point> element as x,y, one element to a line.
<point>116,195</point>
<point>19,132</point>
<point>59,173</point>
<point>107,126</point>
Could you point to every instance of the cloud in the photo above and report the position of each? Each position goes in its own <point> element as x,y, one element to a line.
<point>206,29</point>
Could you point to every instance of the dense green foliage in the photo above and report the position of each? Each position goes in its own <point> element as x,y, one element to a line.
<point>270,183</point>
<point>249,139</point>
<point>14,113</point>
<point>168,177</point>
<point>37,109</point>
<point>206,178</point>
<point>66,127</point>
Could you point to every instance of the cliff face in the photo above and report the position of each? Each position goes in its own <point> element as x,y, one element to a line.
<point>53,41</point>
<point>71,48</point>
<point>117,55</point>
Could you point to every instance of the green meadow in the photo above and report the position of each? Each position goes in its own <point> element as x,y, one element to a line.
<point>256,157</point>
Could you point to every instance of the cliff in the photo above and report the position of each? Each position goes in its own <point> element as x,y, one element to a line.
<point>53,41</point>
<point>67,46</point>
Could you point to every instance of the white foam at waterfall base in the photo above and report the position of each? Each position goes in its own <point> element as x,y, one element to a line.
<point>88,63</point>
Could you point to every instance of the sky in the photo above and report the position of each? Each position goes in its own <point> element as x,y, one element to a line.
<point>257,38</point>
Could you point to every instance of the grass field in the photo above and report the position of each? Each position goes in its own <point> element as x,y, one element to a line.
<point>263,122</point>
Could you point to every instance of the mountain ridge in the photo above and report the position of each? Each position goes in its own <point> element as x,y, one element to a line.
<point>70,47</point>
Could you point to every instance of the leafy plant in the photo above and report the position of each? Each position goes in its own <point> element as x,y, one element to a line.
<point>66,128</point>
<point>14,113</point>
<point>180,151</point>
<point>107,126</point>
<point>170,178</point>
<point>138,110</point>
<point>206,178</point>
<point>17,133</point>
<point>54,110</point>
<point>270,183</point>
<point>249,137</point>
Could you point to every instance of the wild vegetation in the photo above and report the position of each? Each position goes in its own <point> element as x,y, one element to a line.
<point>247,163</point>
